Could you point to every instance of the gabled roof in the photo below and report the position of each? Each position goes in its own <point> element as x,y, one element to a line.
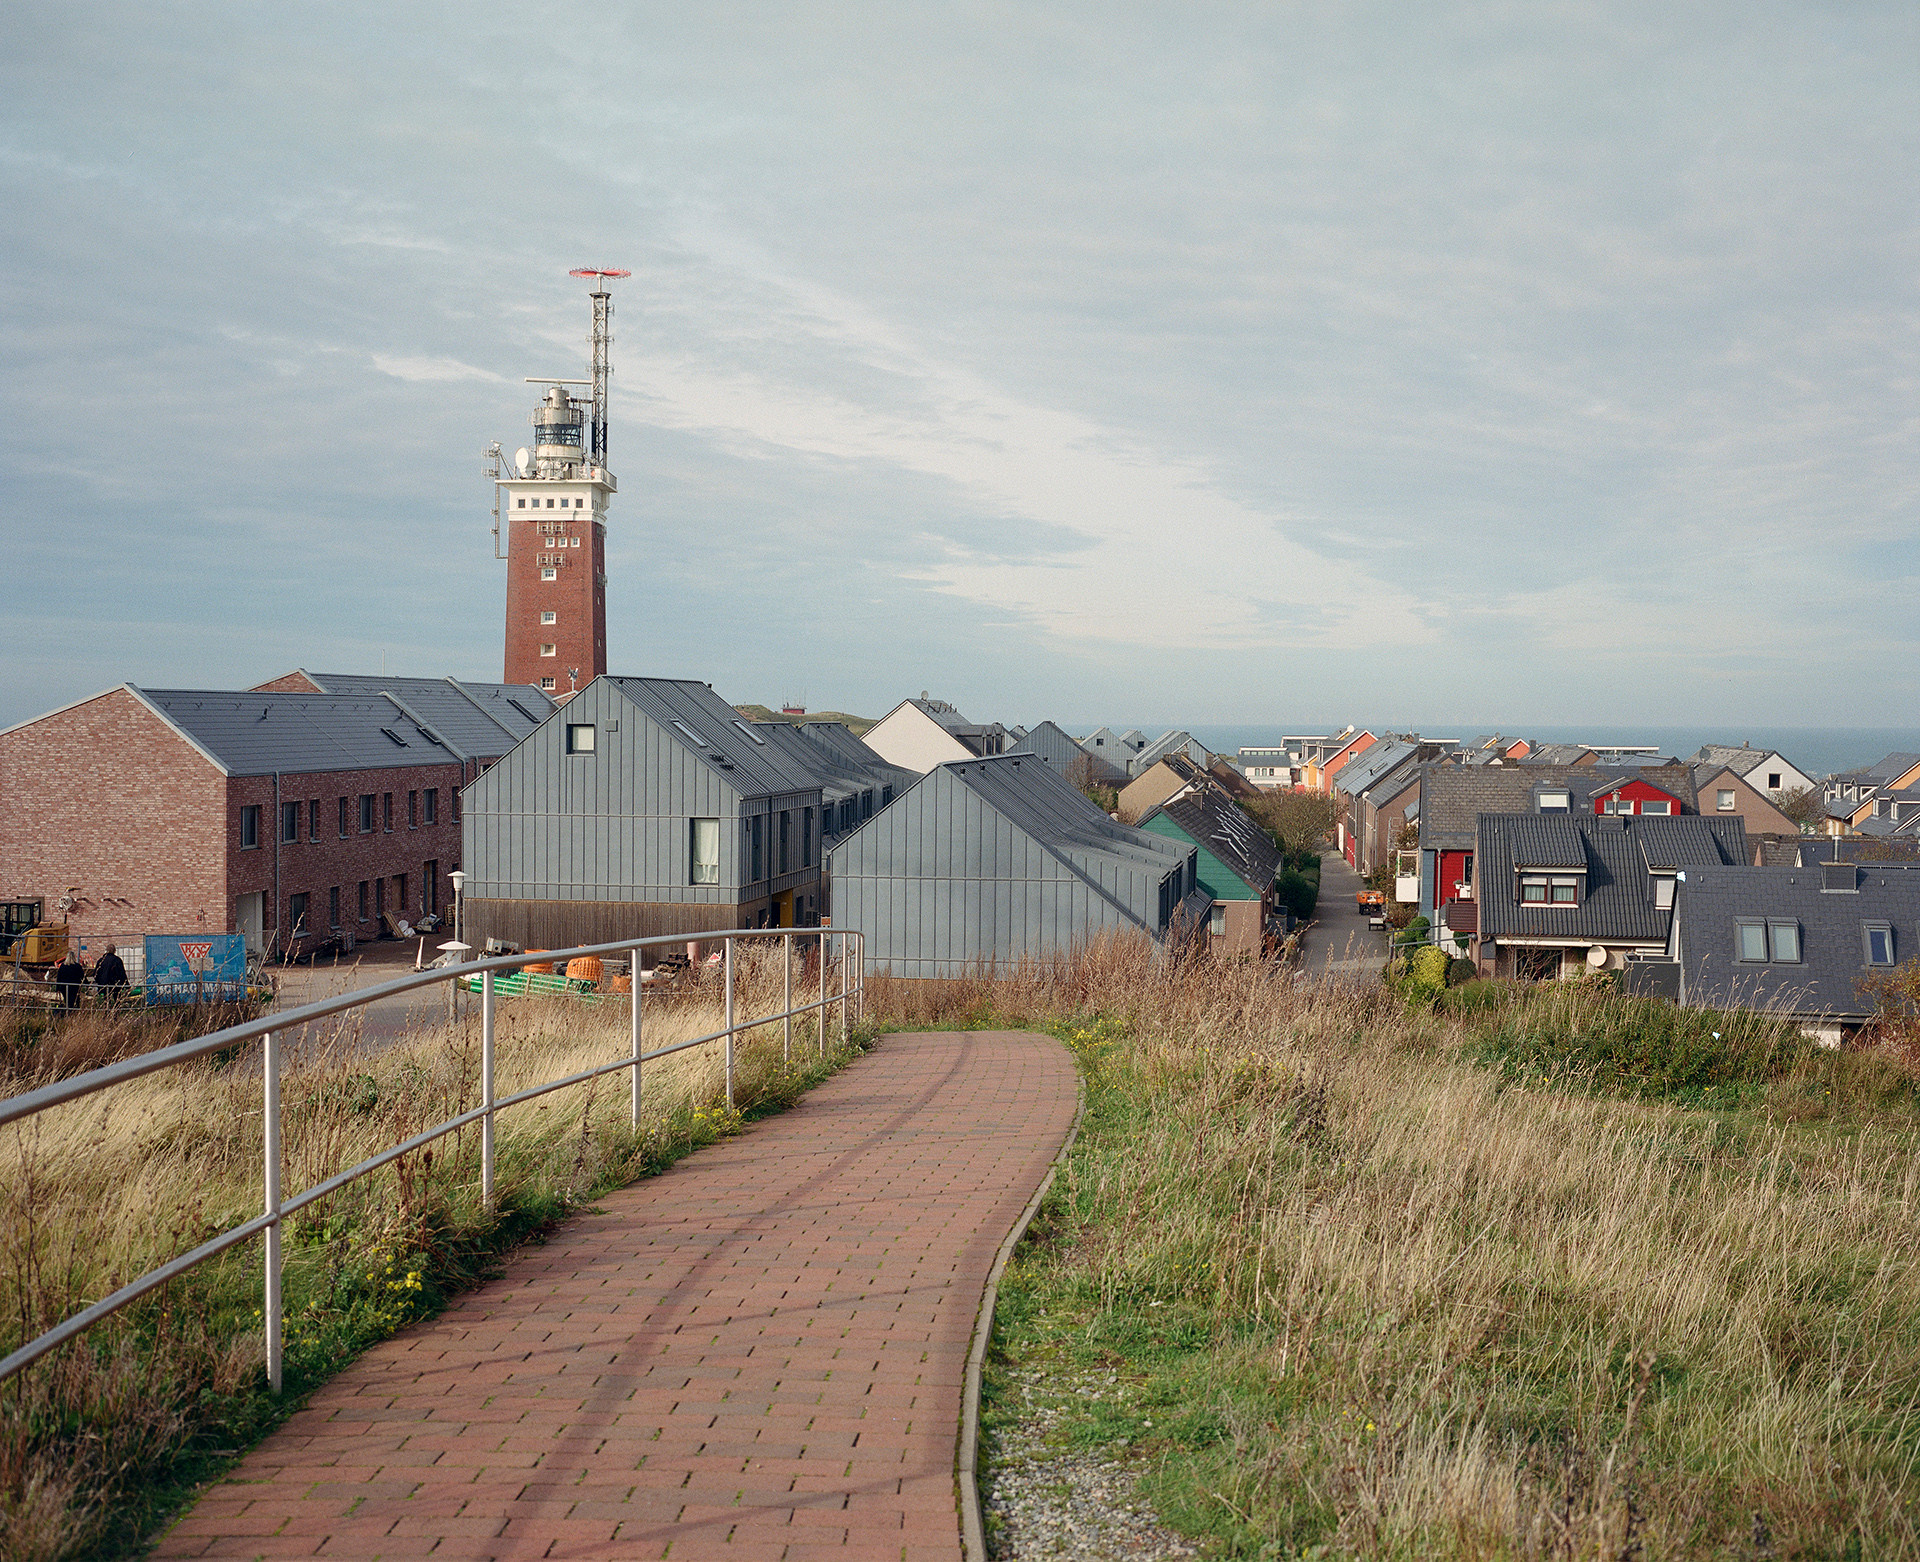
<point>1224,774</point>
<point>251,734</point>
<point>1675,779</point>
<point>836,777</point>
<point>1709,903</point>
<point>839,738</point>
<point>1559,754</point>
<point>1037,800</point>
<point>1676,841</point>
<point>1216,822</point>
<point>1894,766</point>
<point>480,720</point>
<point>710,728</point>
<point>1452,797</point>
<point>1617,901</point>
<point>1046,740</point>
<point>1171,742</point>
<point>1374,764</point>
<point>1543,841</point>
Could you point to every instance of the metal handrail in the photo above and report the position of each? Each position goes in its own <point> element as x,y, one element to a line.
<point>270,1028</point>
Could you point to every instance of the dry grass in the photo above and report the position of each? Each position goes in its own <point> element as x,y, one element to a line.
<point>94,1193</point>
<point>1377,1297</point>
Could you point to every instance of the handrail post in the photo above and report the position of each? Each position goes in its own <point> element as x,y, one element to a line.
<point>843,989</point>
<point>486,1088</point>
<point>636,1035</point>
<point>786,995</point>
<point>820,1013</point>
<point>727,966</point>
<point>270,1069</point>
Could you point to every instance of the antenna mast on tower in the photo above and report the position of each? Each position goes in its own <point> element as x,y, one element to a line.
<point>602,340</point>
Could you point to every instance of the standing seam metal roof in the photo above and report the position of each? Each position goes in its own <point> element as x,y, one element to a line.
<point>752,768</point>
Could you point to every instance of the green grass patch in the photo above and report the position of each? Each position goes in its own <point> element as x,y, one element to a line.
<point>1542,1275</point>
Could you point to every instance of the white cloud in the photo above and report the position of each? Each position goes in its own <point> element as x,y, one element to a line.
<point>430,371</point>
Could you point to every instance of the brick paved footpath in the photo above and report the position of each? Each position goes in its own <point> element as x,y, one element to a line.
<point>757,1355</point>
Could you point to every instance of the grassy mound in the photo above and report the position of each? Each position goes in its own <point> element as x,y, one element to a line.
<point>1538,1275</point>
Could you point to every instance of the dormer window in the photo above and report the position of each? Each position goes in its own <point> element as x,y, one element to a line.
<point>1549,889</point>
<point>1877,941</point>
<point>1552,802</point>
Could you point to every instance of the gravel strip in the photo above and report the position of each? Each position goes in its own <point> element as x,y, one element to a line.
<point>1046,1501</point>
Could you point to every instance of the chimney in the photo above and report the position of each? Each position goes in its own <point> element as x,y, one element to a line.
<point>1839,878</point>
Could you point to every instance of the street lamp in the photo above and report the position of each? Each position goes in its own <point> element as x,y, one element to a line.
<point>459,881</point>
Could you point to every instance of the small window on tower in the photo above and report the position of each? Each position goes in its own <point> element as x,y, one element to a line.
<point>549,617</point>
<point>547,683</point>
<point>522,503</point>
<point>549,650</point>
<point>549,574</point>
<point>549,504</point>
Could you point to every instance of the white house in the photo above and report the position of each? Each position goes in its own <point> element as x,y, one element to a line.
<point>919,734</point>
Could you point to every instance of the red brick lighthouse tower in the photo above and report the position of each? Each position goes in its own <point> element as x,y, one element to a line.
<point>554,494</point>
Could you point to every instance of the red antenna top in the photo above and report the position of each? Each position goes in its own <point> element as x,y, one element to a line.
<point>598,271</point>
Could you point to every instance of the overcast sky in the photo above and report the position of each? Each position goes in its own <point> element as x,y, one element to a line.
<point>1184,364</point>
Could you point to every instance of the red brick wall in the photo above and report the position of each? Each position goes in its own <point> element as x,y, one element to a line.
<point>106,800</point>
<point>318,866</point>
<point>578,596</point>
<point>295,682</point>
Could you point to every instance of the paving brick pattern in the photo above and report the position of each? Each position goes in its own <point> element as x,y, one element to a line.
<point>757,1355</point>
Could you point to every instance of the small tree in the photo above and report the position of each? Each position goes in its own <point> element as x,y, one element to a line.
<point>1081,774</point>
<point>1803,804</point>
<point>1298,820</point>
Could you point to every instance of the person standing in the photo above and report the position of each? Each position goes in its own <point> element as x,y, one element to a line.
<point>110,974</point>
<point>69,976</point>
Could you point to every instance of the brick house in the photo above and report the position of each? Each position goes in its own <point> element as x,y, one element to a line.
<point>287,817</point>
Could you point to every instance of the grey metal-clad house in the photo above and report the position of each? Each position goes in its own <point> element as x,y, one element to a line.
<point>643,806</point>
<point>1047,741</point>
<point>1794,940</point>
<point>984,862</point>
<point>1174,741</point>
<point>852,790</point>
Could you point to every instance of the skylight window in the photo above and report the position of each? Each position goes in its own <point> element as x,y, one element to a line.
<point>395,736</point>
<point>690,735</point>
<point>747,727</point>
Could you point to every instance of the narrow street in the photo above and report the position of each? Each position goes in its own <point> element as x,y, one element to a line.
<point>1340,943</point>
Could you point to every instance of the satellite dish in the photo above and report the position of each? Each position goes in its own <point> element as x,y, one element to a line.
<point>1597,956</point>
<point>523,461</point>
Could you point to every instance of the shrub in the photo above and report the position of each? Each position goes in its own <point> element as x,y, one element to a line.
<point>1460,972</point>
<point>1298,893</point>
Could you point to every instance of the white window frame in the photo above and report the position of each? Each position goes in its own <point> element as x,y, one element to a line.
<point>580,737</point>
<point>703,851</point>
<point>1867,932</point>
<point>1724,800</point>
<point>549,617</point>
<point>549,573</point>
